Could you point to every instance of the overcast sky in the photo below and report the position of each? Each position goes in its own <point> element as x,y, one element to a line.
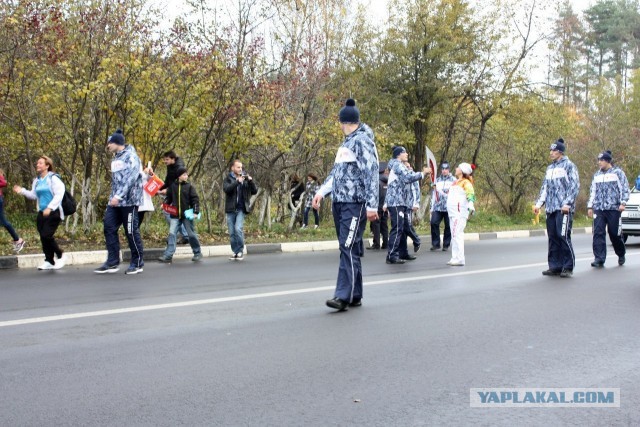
<point>378,8</point>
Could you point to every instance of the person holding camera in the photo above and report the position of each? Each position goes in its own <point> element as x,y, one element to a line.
<point>238,187</point>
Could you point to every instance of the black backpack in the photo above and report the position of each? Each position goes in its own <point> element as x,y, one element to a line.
<point>68,204</point>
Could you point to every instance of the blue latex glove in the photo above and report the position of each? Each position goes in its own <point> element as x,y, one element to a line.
<point>190,215</point>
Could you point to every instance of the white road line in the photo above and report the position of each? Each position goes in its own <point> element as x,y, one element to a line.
<point>192,303</point>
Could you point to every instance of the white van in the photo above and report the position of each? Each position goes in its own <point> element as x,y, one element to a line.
<point>631,215</point>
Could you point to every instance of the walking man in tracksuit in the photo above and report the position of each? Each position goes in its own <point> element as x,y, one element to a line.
<point>608,198</point>
<point>398,196</point>
<point>353,184</point>
<point>122,209</point>
<point>558,193</point>
<point>413,204</point>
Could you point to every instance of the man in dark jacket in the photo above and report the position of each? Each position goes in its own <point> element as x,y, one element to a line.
<point>238,188</point>
<point>185,206</point>
<point>173,164</point>
<point>380,227</point>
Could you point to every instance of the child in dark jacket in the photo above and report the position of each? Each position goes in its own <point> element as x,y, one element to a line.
<point>184,206</point>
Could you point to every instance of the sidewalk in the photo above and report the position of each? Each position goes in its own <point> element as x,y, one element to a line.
<point>98,257</point>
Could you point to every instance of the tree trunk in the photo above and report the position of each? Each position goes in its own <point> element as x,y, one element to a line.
<point>420,133</point>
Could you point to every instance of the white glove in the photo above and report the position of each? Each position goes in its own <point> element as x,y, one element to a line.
<point>472,208</point>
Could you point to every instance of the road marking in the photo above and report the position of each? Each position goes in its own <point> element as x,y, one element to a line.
<point>192,303</point>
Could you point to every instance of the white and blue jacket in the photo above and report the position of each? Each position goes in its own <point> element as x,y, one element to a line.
<point>609,190</point>
<point>126,180</point>
<point>354,177</point>
<point>399,192</point>
<point>560,186</point>
<point>440,192</point>
<point>414,195</point>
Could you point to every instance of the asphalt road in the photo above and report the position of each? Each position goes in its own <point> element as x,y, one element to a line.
<point>251,343</point>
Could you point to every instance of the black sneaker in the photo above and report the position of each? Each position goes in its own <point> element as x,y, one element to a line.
<point>355,303</point>
<point>566,273</point>
<point>338,304</point>
<point>597,264</point>
<point>445,248</point>
<point>107,269</point>
<point>395,261</point>
<point>435,248</point>
<point>551,272</point>
<point>408,257</point>
<point>133,270</point>
<point>163,259</point>
<point>384,246</point>
<point>416,248</point>
<point>621,260</point>
<point>374,248</point>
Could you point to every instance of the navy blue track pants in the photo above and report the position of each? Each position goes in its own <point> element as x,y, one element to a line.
<point>350,220</point>
<point>603,221</point>
<point>561,255</point>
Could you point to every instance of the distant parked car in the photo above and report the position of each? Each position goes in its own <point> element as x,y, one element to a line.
<point>631,215</point>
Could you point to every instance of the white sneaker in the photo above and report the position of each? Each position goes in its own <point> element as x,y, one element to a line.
<point>46,266</point>
<point>315,227</point>
<point>60,262</point>
<point>240,256</point>
<point>234,257</point>
<point>456,263</point>
<point>303,227</point>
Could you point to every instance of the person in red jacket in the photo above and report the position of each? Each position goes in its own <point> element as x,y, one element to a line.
<point>18,242</point>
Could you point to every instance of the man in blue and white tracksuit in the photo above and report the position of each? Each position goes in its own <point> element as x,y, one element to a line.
<point>399,195</point>
<point>413,204</point>
<point>439,208</point>
<point>122,208</point>
<point>608,197</point>
<point>353,184</point>
<point>558,193</point>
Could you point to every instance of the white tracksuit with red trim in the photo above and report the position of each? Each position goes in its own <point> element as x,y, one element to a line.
<point>459,205</point>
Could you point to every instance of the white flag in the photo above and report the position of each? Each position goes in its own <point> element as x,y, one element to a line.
<point>431,162</point>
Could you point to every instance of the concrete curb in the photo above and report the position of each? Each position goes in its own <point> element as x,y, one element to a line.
<point>98,257</point>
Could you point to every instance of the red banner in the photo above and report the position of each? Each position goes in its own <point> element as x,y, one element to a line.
<point>171,210</point>
<point>153,185</point>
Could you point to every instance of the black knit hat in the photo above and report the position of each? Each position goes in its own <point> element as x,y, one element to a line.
<point>349,113</point>
<point>606,156</point>
<point>117,138</point>
<point>180,171</point>
<point>558,145</point>
<point>397,150</point>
